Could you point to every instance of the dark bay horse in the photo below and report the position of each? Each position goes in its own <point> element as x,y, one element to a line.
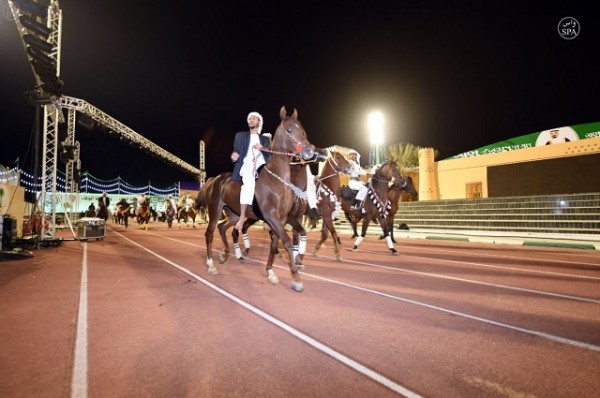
<point>184,214</point>
<point>274,194</point>
<point>123,212</point>
<point>405,184</point>
<point>102,211</point>
<point>394,194</point>
<point>376,205</point>
<point>328,200</point>
<point>143,214</point>
<point>170,213</point>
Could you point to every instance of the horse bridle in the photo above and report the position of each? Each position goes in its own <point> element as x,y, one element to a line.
<point>299,147</point>
<point>334,165</point>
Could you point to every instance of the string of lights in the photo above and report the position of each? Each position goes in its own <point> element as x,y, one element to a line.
<point>89,184</point>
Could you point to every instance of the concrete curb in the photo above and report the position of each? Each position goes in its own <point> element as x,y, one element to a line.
<point>507,241</point>
<point>584,242</point>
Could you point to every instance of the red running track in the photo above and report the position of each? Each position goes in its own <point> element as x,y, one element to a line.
<point>137,315</point>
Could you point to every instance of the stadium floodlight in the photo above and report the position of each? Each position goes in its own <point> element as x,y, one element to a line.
<point>375,124</point>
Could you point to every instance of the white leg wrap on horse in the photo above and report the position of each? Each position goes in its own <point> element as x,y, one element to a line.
<point>390,244</point>
<point>246,241</point>
<point>302,247</point>
<point>311,191</point>
<point>358,240</point>
<point>295,251</point>
<point>209,263</point>
<point>238,251</point>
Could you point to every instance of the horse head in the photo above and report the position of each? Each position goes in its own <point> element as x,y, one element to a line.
<point>390,172</point>
<point>339,162</point>
<point>290,137</point>
<point>408,186</point>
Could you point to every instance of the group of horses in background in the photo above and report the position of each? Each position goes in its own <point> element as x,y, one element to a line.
<point>124,210</point>
<point>280,200</point>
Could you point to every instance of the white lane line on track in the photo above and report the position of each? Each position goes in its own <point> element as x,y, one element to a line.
<point>431,275</point>
<point>502,267</point>
<point>445,310</point>
<point>462,314</point>
<point>377,377</point>
<point>79,385</point>
<point>515,288</point>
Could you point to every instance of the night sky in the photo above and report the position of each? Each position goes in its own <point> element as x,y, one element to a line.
<point>454,76</point>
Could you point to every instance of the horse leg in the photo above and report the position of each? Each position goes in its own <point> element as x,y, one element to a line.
<point>391,229</point>
<point>208,235</point>
<point>280,234</point>
<point>246,239</point>
<point>235,235</point>
<point>328,222</point>
<point>299,240</point>
<point>353,223</point>
<point>324,235</point>
<point>271,275</point>
<point>388,239</point>
<point>359,239</point>
<point>223,226</point>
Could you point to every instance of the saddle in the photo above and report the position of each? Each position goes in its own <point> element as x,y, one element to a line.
<point>347,193</point>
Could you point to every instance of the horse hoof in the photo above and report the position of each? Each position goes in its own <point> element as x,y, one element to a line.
<point>213,270</point>
<point>246,251</point>
<point>242,260</point>
<point>222,258</point>
<point>316,254</point>
<point>355,249</point>
<point>339,258</point>
<point>272,277</point>
<point>394,252</point>
<point>297,286</point>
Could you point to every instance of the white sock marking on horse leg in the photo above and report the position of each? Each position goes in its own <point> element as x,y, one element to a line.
<point>390,244</point>
<point>238,251</point>
<point>358,240</point>
<point>302,247</point>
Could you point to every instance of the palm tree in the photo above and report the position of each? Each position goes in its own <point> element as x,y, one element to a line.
<point>405,154</point>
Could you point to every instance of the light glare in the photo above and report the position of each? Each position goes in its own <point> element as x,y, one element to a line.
<point>375,124</point>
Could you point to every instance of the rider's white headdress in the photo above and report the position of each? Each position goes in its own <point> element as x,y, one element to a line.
<point>259,116</point>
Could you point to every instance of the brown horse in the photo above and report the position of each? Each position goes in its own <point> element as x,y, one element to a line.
<point>123,212</point>
<point>170,213</point>
<point>143,214</point>
<point>274,194</point>
<point>328,201</point>
<point>102,211</point>
<point>394,194</point>
<point>377,204</point>
<point>184,214</point>
<point>405,184</point>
